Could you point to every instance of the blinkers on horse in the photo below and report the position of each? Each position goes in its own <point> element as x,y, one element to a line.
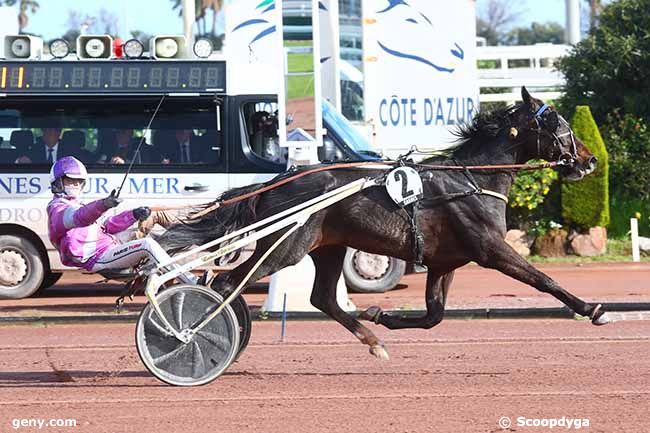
<point>555,141</point>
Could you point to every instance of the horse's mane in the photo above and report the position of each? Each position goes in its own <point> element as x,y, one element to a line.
<point>475,137</point>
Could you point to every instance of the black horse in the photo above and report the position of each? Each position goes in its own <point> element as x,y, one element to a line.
<point>456,228</point>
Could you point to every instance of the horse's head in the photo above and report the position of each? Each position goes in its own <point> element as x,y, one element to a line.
<point>547,135</point>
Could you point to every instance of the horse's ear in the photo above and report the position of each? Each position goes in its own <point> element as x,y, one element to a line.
<point>525,96</point>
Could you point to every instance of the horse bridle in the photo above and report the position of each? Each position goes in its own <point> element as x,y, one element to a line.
<point>566,158</point>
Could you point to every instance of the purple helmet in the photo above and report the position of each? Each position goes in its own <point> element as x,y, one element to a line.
<point>68,166</point>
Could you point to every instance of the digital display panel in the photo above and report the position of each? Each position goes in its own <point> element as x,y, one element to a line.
<point>33,77</point>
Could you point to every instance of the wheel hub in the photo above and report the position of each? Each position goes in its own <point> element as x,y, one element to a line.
<point>371,266</point>
<point>186,335</point>
<point>13,268</point>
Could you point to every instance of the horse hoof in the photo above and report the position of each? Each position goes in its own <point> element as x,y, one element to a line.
<point>379,350</point>
<point>371,314</point>
<point>599,317</point>
<point>602,320</point>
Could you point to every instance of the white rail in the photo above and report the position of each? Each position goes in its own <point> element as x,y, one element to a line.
<point>510,67</point>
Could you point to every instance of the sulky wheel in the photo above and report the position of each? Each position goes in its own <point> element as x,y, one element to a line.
<point>244,318</point>
<point>208,353</point>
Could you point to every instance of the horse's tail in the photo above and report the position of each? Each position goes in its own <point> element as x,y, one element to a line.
<point>213,224</point>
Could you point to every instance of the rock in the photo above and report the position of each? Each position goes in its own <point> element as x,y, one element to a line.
<point>520,241</point>
<point>593,243</point>
<point>552,244</point>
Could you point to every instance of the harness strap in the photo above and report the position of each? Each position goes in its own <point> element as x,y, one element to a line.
<point>418,238</point>
<point>541,110</point>
<point>455,195</point>
<point>269,186</point>
<point>379,164</point>
<point>480,190</point>
<point>493,194</point>
<point>534,166</point>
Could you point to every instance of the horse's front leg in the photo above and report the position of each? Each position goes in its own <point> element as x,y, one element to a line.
<point>497,254</point>
<point>437,285</point>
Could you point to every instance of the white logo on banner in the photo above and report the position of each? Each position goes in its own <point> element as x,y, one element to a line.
<point>420,70</point>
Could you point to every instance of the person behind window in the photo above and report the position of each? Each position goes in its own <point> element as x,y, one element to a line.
<point>46,150</point>
<point>186,148</point>
<point>73,143</point>
<point>86,240</point>
<point>121,150</point>
<point>264,138</point>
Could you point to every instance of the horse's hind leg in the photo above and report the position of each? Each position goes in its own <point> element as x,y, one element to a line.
<point>500,256</point>
<point>437,285</point>
<point>329,262</point>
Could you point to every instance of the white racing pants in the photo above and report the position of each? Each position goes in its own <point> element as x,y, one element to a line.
<point>129,254</point>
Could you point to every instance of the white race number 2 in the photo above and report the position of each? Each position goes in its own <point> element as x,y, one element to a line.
<point>404,186</point>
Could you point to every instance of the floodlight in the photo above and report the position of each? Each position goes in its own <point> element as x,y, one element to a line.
<point>203,48</point>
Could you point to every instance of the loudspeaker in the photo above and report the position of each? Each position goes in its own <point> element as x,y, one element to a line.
<point>23,47</point>
<point>166,47</point>
<point>95,47</point>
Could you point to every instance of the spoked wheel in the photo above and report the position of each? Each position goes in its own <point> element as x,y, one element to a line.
<point>244,318</point>
<point>208,352</point>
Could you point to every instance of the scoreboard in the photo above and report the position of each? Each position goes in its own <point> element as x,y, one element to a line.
<point>125,76</point>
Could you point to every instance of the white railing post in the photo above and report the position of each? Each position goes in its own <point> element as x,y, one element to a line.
<point>634,230</point>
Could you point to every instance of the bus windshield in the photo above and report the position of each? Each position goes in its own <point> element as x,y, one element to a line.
<point>108,130</point>
<point>344,129</point>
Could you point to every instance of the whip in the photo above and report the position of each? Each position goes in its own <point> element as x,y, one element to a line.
<point>137,150</point>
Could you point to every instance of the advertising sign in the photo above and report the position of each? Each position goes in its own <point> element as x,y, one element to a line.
<point>420,71</point>
<point>253,46</point>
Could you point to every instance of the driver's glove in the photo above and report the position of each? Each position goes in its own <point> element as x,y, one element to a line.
<point>141,213</point>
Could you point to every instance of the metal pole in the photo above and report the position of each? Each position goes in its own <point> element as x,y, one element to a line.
<point>572,31</point>
<point>126,27</point>
<point>189,17</point>
<point>284,318</point>
<point>318,73</point>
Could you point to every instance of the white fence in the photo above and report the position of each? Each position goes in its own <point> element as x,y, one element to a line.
<point>510,67</point>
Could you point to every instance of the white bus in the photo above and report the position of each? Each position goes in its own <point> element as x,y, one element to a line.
<point>90,107</point>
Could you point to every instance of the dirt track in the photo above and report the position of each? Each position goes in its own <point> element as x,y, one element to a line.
<point>459,377</point>
<point>473,287</point>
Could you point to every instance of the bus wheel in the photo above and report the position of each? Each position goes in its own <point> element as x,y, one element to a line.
<point>50,279</point>
<point>371,273</point>
<point>21,267</point>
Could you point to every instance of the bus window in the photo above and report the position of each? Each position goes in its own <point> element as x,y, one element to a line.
<point>187,146</point>
<point>262,131</point>
<point>108,131</point>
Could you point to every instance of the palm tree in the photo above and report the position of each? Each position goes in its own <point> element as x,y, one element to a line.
<point>595,7</point>
<point>216,6</point>
<point>201,6</point>
<point>25,6</point>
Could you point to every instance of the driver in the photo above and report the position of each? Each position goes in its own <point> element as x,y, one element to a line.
<point>82,239</point>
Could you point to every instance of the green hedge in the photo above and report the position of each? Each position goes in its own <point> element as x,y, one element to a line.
<point>586,202</point>
<point>628,144</point>
<point>609,68</point>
